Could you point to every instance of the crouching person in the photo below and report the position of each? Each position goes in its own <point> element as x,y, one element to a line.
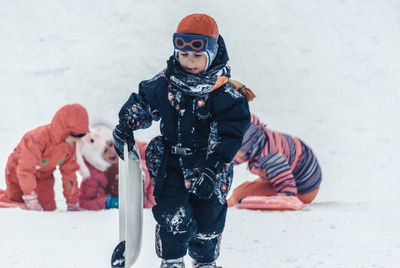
<point>98,163</point>
<point>29,170</point>
<point>289,172</point>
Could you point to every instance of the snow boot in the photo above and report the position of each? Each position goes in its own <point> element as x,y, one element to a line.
<point>205,265</point>
<point>118,256</point>
<point>173,263</point>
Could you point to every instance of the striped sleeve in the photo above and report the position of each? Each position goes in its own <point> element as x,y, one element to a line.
<point>278,173</point>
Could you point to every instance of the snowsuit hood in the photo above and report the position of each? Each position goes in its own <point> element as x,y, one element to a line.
<point>69,119</point>
<point>197,84</point>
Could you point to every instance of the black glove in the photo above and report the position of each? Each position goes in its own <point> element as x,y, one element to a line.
<point>123,134</point>
<point>205,183</point>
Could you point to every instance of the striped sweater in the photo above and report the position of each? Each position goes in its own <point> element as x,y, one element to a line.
<point>284,160</point>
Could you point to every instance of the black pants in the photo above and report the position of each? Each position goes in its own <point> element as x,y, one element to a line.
<point>185,222</point>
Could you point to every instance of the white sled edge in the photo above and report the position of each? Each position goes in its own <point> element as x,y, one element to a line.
<point>130,206</point>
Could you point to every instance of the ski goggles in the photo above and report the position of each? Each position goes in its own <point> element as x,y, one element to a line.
<point>192,42</point>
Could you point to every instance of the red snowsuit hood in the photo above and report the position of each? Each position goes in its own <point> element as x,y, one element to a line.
<point>70,119</point>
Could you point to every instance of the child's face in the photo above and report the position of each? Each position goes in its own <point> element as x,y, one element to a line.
<point>71,140</point>
<point>109,153</point>
<point>192,62</point>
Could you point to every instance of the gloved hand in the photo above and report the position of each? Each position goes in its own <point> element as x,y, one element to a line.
<point>32,202</point>
<point>111,202</point>
<point>205,184</point>
<point>122,134</point>
<point>73,207</point>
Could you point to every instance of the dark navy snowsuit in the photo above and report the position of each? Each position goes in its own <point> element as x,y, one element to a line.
<point>210,127</point>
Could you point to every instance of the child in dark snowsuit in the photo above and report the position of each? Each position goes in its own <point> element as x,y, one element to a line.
<point>203,120</point>
<point>289,172</point>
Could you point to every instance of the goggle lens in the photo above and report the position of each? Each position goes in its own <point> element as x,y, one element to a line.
<point>197,44</point>
<point>180,42</point>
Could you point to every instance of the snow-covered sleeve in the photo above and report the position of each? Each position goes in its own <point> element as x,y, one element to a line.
<point>135,113</point>
<point>142,108</point>
<point>231,116</point>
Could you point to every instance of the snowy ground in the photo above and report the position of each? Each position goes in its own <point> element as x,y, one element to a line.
<point>325,71</point>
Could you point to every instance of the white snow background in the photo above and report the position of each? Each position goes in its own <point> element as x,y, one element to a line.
<point>324,71</point>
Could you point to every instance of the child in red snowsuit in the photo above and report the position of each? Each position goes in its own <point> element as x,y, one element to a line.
<point>289,172</point>
<point>29,170</point>
<point>98,163</point>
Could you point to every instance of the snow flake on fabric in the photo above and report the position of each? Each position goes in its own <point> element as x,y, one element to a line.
<point>157,76</point>
<point>176,222</point>
<point>191,84</point>
<point>224,182</point>
<point>232,91</point>
<point>209,241</point>
<point>139,116</point>
<point>158,241</point>
<point>175,97</point>
<point>213,138</point>
<point>204,236</point>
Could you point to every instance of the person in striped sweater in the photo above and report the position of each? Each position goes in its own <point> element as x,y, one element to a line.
<point>289,172</point>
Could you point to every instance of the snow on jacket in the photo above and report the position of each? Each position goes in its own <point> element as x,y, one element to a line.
<point>284,160</point>
<point>42,149</point>
<point>216,119</point>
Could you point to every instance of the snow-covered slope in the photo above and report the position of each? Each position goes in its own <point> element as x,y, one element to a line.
<point>325,71</point>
